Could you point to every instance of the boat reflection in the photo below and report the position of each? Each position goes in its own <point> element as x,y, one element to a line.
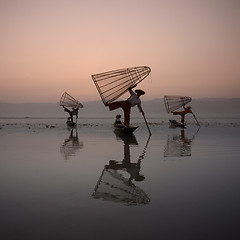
<point>179,145</point>
<point>71,144</point>
<point>116,181</point>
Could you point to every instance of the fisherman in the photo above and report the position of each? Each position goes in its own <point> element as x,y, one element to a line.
<point>73,112</point>
<point>183,113</point>
<point>126,105</point>
<point>118,120</point>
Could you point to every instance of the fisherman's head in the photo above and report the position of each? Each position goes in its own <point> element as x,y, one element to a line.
<point>139,92</point>
<point>118,116</point>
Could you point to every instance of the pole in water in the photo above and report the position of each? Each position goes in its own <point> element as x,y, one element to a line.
<point>146,122</point>
<point>196,119</point>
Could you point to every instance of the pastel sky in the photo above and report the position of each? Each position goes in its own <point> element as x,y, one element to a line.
<point>51,46</point>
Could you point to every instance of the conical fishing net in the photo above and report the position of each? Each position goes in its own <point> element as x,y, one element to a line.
<point>177,146</point>
<point>113,186</point>
<point>172,103</point>
<point>113,84</point>
<point>68,101</point>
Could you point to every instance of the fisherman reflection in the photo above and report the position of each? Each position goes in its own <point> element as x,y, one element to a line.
<point>71,144</point>
<point>132,168</point>
<point>179,145</point>
<point>114,186</point>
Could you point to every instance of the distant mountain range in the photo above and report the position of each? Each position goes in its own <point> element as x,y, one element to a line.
<point>205,107</point>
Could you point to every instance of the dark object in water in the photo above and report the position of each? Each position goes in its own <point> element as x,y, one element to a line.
<point>174,123</point>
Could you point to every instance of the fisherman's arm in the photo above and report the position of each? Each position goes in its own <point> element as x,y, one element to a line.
<point>131,91</point>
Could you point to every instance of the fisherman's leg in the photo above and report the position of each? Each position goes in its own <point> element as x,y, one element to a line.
<point>67,110</point>
<point>115,105</point>
<point>127,110</point>
<point>182,119</point>
<point>126,161</point>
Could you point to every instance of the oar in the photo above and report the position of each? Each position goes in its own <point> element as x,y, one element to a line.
<point>141,157</point>
<point>196,119</point>
<point>145,121</point>
<point>143,113</point>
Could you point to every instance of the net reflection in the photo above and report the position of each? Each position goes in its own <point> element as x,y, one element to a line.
<point>179,145</point>
<point>71,144</point>
<point>113,184</point>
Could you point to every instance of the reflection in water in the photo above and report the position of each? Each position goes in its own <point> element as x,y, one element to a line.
<point>71,145</point>
<point>114,186</point>
<point>179,145</point>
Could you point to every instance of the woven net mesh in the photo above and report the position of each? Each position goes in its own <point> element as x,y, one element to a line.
<point>68,101</point>
<point>113,84</point>
<point>173,103</point>
<point>113,186</point>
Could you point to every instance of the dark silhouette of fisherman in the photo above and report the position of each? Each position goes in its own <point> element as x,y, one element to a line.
<point>126,105</point>
<point>73,112</point>
<point>183,113</point>
<point>132,168</point>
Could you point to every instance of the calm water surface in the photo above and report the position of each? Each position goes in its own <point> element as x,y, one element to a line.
<point>93,183</point>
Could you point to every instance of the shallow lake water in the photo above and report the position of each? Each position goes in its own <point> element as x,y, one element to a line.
<point>93,183</point>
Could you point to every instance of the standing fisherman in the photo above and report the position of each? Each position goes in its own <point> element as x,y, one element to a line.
<point>183,113</point>
<point>73,112</point>
<point>126,105</point>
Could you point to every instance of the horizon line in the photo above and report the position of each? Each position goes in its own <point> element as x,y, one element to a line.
<point>224,98</point>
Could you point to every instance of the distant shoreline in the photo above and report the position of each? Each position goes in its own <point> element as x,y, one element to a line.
<point>203,108</point>
<point>155,117</point>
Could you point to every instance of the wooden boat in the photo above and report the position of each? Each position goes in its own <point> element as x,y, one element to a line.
<point>174,123</point>
<point>122,128</point>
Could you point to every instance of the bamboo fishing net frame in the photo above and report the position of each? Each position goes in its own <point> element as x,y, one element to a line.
<point>173,103</point>
<point>68,101</point>
<point>113,84</point>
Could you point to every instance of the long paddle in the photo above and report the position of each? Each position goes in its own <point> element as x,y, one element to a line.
<point>196,119</point>
<point>146,121</point>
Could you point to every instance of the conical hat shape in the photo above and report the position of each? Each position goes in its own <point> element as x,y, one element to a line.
<point>68,101</point>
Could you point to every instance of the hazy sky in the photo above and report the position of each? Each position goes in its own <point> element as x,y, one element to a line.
<point>51,46</point>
